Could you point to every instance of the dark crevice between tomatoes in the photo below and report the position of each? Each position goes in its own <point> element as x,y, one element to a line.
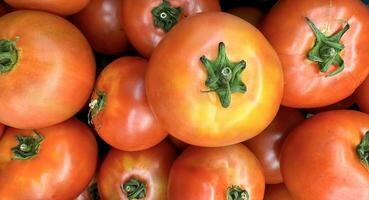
<point>93,192</point>
<point>326,50</point>
<point>237,193</point>
<point>224,76</point>
<point>8,55</point>
<point>363,150</point>
<point>96,106</point>
<point>134,189</point>
<point>28,146</point>
<point>165,16</point>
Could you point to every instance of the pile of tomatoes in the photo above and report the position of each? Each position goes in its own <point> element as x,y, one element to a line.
<point>177,100</point>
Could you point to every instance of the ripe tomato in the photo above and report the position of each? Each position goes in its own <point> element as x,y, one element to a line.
<point>119,109</point>
<point>48,73</point>
<point>252,15</point>
<point>327,157</point>
<point>136,175</point>
<point>100,23</point>
<point>60,7</point>
<point>208,87</point>
<point>146,22</point>
<point>361,96</point>
<point>267,145</point>
<point>277,192</point>
<point>323,49</point>
<point>216,174</point>
<point>50,163</point>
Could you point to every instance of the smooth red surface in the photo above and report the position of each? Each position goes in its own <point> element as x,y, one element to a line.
<point>277,192</point>
<point>361,96</point>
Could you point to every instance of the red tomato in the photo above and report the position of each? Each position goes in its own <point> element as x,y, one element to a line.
<point>252,15</point>
<point>60,7</point>
<point>277,192</point>
<point>146,22</point>
<point>327,157</point>
<point>48,73</point>
<point>136,175</point>
<point>119,109</point>
<point>361,96</point>
<point>267,145</point>
<point>216,174</point>
<point>100,23</point>
<point>208,87</point>
<point>320,68</point>
<point>51,163</point>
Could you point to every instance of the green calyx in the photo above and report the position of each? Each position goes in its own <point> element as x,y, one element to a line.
<point>224,76</point>
<point>134,189</point>
<point>94,192</point>
<point>363,150</point>
<point>165,16</point>
<point>28,146</point>
<point>237,193</point>
<point>96,106</point>
<point>8,55</point>
<point>326,50</point>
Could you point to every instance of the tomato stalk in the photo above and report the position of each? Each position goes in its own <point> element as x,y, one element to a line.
<point>134,189</point>
<point>8,55</point>
<point>237,193</point>
<point>96,105</point>
<point>363,150</point>
<point>28,146</point>
<point>165,16</point>
<point>326,50</point>
<point>224,76</point>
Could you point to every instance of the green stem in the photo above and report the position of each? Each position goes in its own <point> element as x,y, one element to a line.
<point>363,150</point>
<point>165,16</point>
<point>28,146</point>
<point>237,193</point>
<point>96,106</point>
<point>8,55</point>
<point>134,189</point>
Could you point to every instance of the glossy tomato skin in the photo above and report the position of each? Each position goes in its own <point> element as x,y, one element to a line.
<point>267,145</point>
<point>59,7</point>
<point>319,159</point>
<point>54,75</point>
<point>292,38</point>
<point>277,192</point>
<point>175,81</point>
<point>100,23</point>
<point>126,121</point>
<point>361,96</point>
<point>253,15</point>
<point>206,173</point>
<point>150,166</point>
<point>138,21</point>
<point>63,167</point>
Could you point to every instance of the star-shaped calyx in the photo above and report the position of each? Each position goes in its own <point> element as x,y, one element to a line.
<point>165,16</point>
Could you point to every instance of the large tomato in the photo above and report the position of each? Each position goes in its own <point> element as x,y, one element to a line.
<point>47,69</point>
<point>119,110</point>
<point>221,173</point>
<point>100,23</point>
<point>253,15</point>
<point>214,85</point>
<point>53,163</point>
<point>267,145</point>
<point>322,45</point>
<point>60,7</point>
<point>147,21</point>
<point>361,96</point>
<point>277,192</point>
<point>136,175</point>
<point>327,157</point>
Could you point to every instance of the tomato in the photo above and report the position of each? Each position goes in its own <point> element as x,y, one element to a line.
<point>60,7</point>
<point>267,145</point>
<point>100,23</point>
<point>361,96</point>
<point>216,174</point>
<point>136,175</point>
<point>119,109</point>
<point>48,73</point>
<point>208,87</point>
<point>252,15</point>
<point>322,47</point>
<point>178,144</point>
<point>341,105</point>
<point>146,22</point>
<point>91,192</point>
<point>277,192</point>
<point>327,157</point>
<point>50,163</point>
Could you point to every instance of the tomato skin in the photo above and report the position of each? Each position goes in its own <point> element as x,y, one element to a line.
<point>267,145</point>
<point>361,96</point>
<point>151,166</point>
<point>100,23</point>
<point>54,75</point>
<point>137,20</point>
<point>277,192</point>
<point>206,173</point>
<point>126,122</point>
<point>250,14</point>
<point>292,38</point>
<point>61,170</point>
<point>319,159</point>
<point>59,7</point>
<point>175,81</point>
